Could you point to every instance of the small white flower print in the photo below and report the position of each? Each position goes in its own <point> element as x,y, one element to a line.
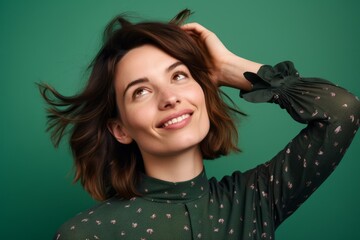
<point>150,231</point>
<point>98,222</point>
<point>85,220</point>
<point>352,118</point>
<point>264,194</point>
<point>153,216</point>
<point>231,231</point>
<point>134,225</point>
<point>113,221</point>
<point>186,228</point>
<point>139,210</point>
<point>333,94</point>
<point>216,229</point>
<point>221,220</point>
<point>314,113</point>
<point>168,215</point>
<point>337,130</point>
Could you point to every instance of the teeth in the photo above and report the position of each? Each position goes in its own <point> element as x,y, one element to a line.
<point>176,120</point>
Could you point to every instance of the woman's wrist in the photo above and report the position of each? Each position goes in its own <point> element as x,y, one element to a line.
<point>232,69</point>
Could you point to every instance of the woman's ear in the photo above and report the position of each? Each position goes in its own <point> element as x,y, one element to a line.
<point>119,132</point>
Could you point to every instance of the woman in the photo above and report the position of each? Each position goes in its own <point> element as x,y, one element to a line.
<point>152,111</point>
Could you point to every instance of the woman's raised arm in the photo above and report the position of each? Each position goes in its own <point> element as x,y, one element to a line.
<point>332,115</point>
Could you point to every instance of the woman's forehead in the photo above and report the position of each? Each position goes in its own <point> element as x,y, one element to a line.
<point>142,62</point>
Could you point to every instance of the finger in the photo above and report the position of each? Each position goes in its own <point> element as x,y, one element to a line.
<point>195,27</point>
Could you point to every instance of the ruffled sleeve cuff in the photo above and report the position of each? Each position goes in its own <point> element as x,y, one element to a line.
<point>269,82</point>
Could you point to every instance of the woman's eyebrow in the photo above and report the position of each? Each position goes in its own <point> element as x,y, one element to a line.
<point>174,65</point>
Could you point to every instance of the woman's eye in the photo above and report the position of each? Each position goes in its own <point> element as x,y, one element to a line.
<point>179,76</point>
<point>140,92</point>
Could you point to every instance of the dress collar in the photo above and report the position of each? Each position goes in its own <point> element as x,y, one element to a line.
<point>173,192</point>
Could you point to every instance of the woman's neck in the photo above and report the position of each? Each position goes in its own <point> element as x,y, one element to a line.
<point>177,167</point>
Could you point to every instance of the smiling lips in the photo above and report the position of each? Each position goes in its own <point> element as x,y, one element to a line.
<point>176,120</point>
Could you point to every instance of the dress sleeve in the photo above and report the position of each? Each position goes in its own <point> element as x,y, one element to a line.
<point>332,117</point>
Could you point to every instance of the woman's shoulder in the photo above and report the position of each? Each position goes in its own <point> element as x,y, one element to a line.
<point>101,216</point>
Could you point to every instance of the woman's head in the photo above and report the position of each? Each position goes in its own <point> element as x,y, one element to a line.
<point>161,107</point>
<point>109,165</point>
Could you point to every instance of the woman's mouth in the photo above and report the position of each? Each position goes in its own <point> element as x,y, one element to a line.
<point>176,120</point>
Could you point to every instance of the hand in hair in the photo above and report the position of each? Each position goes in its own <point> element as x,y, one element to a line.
<point>228,68</point>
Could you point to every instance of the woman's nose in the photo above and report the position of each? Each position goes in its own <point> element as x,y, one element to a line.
<point>168,99</point>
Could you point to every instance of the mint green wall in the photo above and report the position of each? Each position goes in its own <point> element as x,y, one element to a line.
<point>53,41</point>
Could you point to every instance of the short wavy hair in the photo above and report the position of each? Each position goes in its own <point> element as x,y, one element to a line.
<point>105,167</point>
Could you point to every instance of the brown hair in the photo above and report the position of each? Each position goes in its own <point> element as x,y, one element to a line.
<point>104,166</point>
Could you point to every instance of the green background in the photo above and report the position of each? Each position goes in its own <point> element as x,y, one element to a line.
<point>53,41</point>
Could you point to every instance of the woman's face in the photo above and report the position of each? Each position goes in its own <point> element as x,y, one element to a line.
<point>161,106</point>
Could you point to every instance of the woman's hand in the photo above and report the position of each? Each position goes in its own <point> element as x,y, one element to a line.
<point>228,69</point>
<point>217,51</point>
